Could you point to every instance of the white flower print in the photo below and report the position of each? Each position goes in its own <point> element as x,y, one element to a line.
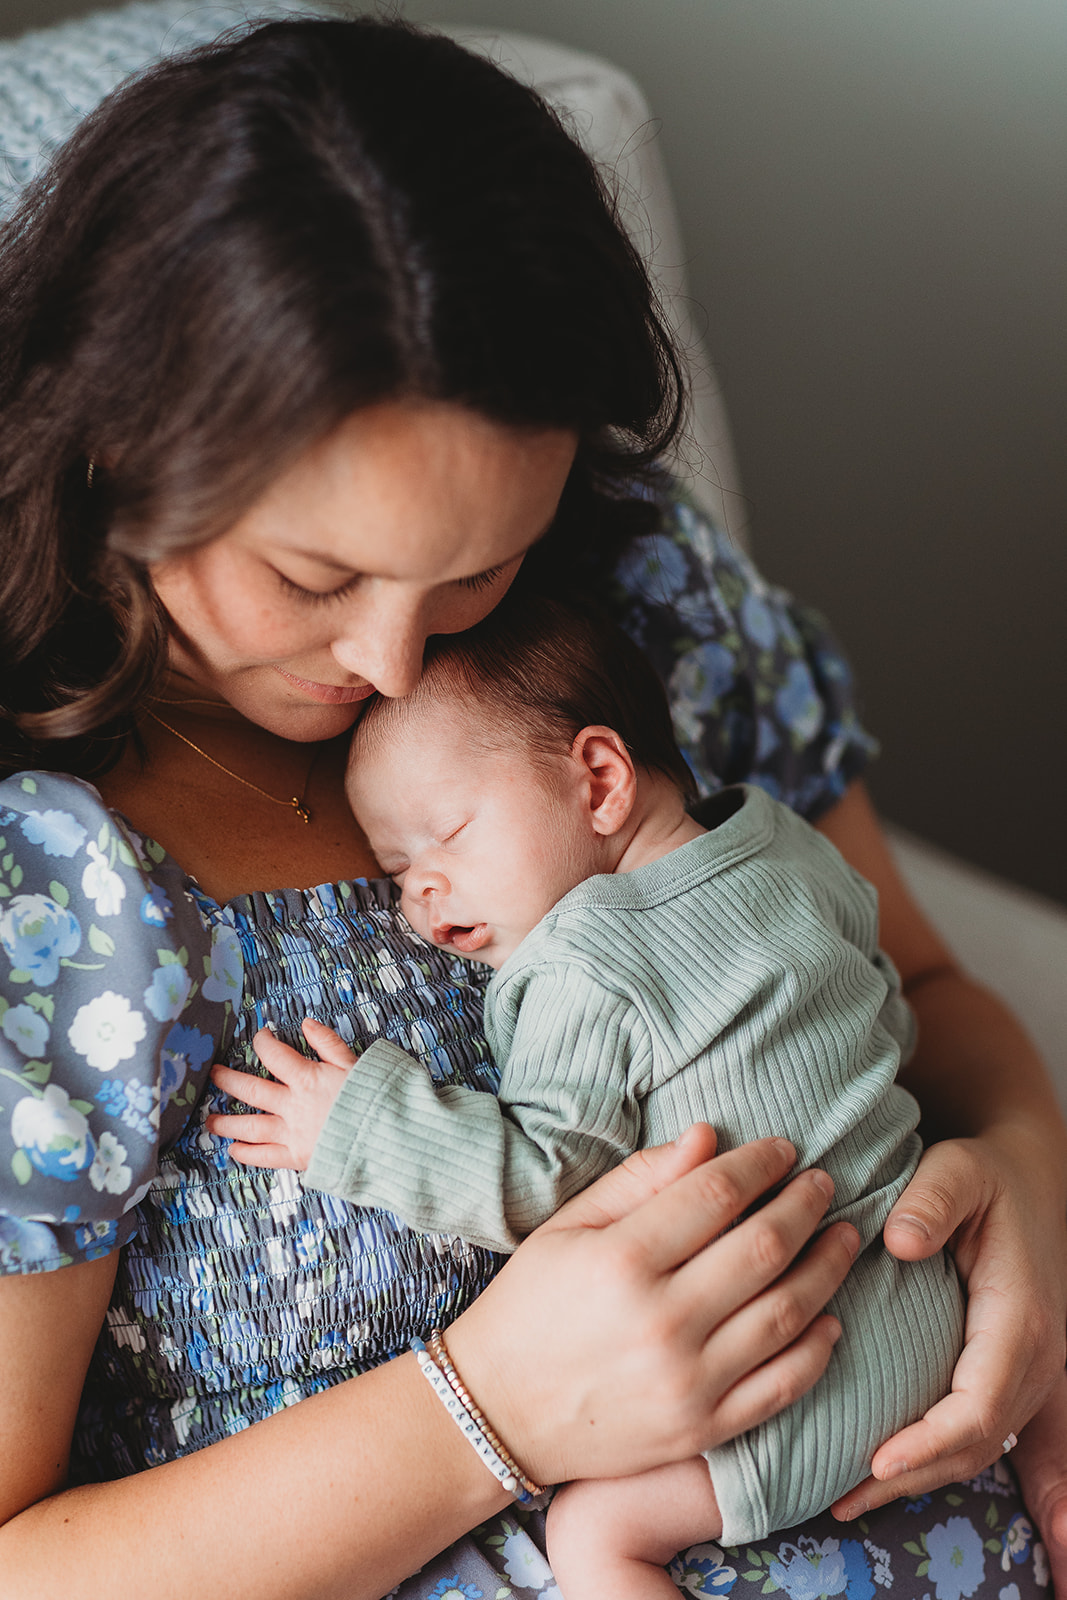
<point>524,1563</point>
<point>183,1413</point>
<point>1042,1574</point>
<point>26,1028</point>
<point>881,1564</point>
<point>101,885</point>
<point>106,1031</point>
<point>108,1170</point>
<point>53,1133</point>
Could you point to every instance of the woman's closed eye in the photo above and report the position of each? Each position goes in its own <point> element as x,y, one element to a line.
<point>317,596</point>
<point>484,580</point>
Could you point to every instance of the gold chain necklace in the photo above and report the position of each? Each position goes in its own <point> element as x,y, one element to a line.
<point>297,804</point>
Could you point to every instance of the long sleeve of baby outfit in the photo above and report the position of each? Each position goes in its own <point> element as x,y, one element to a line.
<point>452,1160</point>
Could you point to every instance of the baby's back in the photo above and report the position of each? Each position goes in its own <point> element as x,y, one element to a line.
<point>750,958</point>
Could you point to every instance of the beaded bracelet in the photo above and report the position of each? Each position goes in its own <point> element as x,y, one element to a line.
<point>438,1369</point>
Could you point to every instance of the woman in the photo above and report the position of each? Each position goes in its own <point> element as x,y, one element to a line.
<point>308,344</point>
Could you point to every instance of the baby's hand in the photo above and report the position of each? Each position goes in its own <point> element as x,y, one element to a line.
<point>292,1111</point>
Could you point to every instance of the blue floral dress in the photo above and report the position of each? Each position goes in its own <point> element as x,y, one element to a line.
<point>238,1293</point>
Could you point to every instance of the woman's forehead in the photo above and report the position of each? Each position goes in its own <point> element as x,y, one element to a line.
<point>417,491</point>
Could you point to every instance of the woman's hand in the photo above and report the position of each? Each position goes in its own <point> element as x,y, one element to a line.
<point>995,1191</point>
<point>625,1332</point>
<point>980,1197</point>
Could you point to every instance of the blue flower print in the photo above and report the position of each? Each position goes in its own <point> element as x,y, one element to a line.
<point>767,740</point>
<point>25,1244</point>
<point>156,908</point>
<point>26,1028</point>
<point>798,704</point>
<point>758,620</point>
<point>698,682</point>
<point>225,977</point>
<point>1016,1540</point>
<point>57,832</point>
<point>97,1239</point>
<point>184,1050</point>
<point>957,1559</point>
<point>36,933</point>
<point>702,1571</point>
<point>166,995</point>
<point>811,1569</point>
<point>53,1134</point>
<point>656,567</point>
<point>859,1585</point>
<point>453,1589</point>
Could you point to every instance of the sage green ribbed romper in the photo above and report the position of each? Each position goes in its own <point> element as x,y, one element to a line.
<point>735,980</point>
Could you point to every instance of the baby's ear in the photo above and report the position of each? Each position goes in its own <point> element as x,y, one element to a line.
<point>608,771</point>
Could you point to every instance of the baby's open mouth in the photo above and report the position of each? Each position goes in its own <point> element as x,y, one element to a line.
<point>467,939</point>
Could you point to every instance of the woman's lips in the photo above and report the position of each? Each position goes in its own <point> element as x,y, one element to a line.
<point>327,694</point>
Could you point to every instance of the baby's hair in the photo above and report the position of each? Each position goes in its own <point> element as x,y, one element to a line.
<point>539,671</point>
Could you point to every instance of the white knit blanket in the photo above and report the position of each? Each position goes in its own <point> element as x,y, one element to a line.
<point>51,78</point>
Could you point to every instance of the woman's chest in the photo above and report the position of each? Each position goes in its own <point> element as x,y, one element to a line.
<point>243,1292</point>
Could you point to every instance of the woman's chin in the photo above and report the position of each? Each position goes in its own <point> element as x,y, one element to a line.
<point>304,722</point>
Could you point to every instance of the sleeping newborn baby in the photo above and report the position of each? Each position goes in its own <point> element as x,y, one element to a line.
<point>651,971</point>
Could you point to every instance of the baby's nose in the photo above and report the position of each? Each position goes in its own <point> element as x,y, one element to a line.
<point>429,884</point>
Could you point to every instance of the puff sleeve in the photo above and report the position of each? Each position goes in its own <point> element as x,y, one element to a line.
<point>115,998</point>
<point>760,690</point>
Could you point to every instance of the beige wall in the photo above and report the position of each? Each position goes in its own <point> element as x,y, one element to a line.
<point>874,203</point>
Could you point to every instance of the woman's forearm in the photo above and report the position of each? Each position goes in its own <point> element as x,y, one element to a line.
<point>975,1070</point>
<point>342,1495</point>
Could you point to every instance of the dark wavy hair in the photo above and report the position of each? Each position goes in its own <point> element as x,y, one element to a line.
<point>538,670</point>
<point>237,250</point>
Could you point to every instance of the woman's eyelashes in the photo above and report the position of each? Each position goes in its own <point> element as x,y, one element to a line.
<point>484,580</point>
<point>478,580</point>
<point>317,596</point>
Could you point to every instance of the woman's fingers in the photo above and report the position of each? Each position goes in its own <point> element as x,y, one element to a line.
<point>677,1223</point>
<point>944,1193</point>
<point>640,1177</point>
<point>1014,1350</point>
<point>778,1382</point>
<point>773,1322</point>
<point>759,1250</point>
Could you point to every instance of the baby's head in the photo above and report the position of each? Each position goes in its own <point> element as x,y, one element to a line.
<point>518,768</point>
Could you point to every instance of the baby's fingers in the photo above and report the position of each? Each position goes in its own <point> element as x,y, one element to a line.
<point>256,1128</point>
<point>327,1044</point>
<point>264,1155</point>
<point>249,1088</point>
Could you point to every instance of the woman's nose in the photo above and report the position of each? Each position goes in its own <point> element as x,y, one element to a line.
<point>385,645</point>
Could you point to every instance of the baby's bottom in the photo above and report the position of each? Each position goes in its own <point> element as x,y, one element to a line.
<point>615,1536</point>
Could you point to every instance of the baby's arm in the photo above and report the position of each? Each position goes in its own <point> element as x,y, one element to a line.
<point>292,1111</point>
<point>449,1159</point>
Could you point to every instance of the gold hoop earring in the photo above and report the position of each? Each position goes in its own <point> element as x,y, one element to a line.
<point>90,472</point>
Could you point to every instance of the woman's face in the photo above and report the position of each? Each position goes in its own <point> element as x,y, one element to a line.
<point>411,519</point>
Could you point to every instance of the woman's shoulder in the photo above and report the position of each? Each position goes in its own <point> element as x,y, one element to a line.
<point>760,689</point>
<point>116,994</point>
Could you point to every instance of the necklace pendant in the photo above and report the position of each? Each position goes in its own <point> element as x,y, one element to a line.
<point>301,811</point>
